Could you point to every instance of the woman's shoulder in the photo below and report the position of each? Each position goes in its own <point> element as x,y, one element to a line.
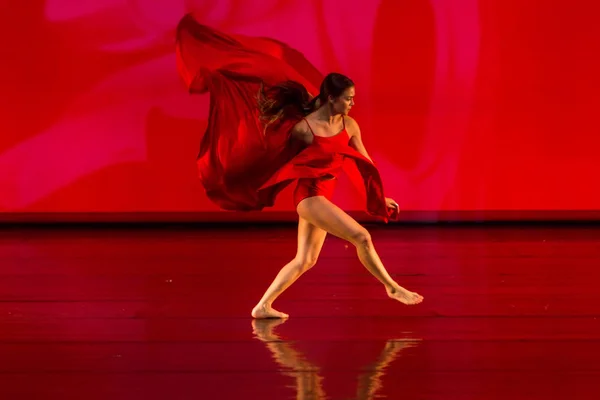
<point>301,125</point>
<point>301,131</point>
<point>351,126</point>
<point>350,121</point>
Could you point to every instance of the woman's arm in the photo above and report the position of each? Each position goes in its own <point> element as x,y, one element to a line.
<point>355,139</point>
<point>356,143</point>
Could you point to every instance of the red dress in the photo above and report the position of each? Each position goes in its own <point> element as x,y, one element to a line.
<point>323,185</point>
<point>243,165</point>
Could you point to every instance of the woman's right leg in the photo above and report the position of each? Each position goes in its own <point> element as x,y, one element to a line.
<point>310,242</point>
<point>324,214</point>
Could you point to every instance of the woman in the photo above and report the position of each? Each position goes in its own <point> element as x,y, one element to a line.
<point>251,150</point>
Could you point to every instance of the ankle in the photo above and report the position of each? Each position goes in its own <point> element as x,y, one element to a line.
<point>263,305</point>
<point>392,288</point>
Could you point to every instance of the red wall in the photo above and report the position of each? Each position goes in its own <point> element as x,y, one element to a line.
<point>465,105</point>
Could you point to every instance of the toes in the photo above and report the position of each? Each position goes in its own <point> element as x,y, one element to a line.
<point>276,314</point>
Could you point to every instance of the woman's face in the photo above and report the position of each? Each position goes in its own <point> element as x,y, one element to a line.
<point>344,102</point>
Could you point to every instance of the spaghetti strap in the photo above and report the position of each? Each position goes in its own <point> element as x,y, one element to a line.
<point>309,127</point>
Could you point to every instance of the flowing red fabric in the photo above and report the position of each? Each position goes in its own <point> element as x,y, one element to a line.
<point>241,165</point>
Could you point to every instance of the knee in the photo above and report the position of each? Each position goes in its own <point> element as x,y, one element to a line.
<point>362,239</point>
<point>306,262</point>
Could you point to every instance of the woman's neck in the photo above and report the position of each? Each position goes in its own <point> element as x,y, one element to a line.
<point>325,114</point>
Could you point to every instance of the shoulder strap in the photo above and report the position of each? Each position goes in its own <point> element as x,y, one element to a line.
<point>309,127</point>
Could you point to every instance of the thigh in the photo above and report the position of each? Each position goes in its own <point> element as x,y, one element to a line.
<point>310,239</point>
<point>324,214</point>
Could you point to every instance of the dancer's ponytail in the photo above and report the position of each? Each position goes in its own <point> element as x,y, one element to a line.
<point>284,99</point>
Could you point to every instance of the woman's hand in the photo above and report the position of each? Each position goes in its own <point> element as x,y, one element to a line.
<point>391,203</point>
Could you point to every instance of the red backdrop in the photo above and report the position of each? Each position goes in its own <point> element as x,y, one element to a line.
<point>464,104</point>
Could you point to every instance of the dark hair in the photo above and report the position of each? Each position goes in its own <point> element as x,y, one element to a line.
<point>291,98</point>
<point>333,85</point>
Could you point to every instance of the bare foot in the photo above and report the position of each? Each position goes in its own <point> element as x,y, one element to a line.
<point>404,296</point>
<point>265,311</point>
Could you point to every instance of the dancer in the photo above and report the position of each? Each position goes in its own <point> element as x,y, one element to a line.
<point>266,131</point>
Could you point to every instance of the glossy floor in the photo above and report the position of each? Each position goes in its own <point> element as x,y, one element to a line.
<point>509,312</point>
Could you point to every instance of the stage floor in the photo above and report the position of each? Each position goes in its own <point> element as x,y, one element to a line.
<point>510,312</point>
